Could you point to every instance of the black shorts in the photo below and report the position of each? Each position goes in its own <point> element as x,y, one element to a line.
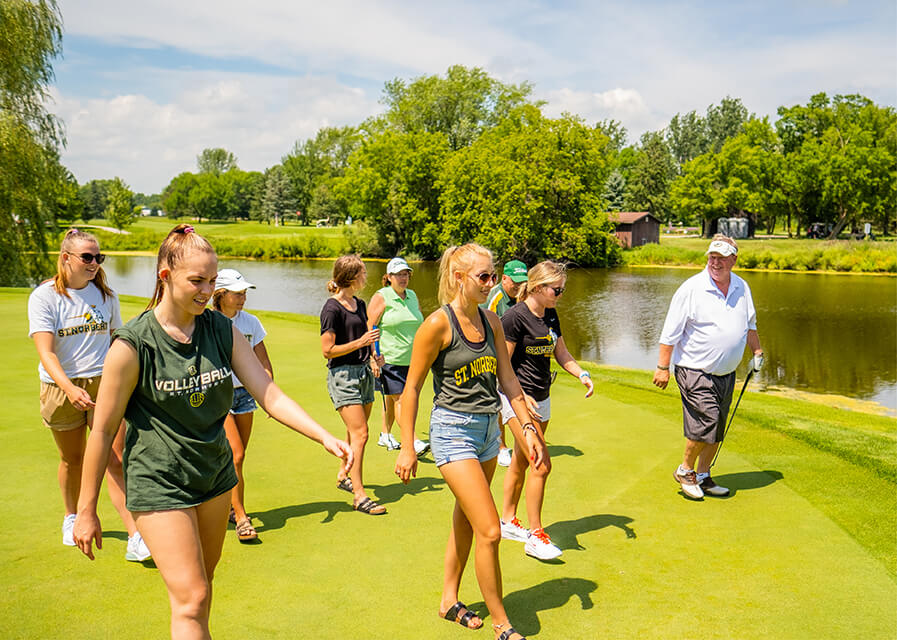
<point>392,379</point>
<point>705,403</point>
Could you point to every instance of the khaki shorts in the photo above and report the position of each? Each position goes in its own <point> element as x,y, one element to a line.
<point>57,411</point>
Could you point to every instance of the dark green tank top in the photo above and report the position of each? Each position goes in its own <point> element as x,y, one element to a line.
<point>176,452</point>
<point>464,373</point>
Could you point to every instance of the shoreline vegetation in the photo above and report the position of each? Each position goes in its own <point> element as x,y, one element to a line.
<point>257,241</point>
<point>819,481</point>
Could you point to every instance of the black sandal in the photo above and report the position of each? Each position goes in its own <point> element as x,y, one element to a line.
<point>454,615</point>
<point>506,634</point>
<point>346,485</point>
<point>370,507</point>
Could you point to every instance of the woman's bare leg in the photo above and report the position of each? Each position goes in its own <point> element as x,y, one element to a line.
<point>186,546</point>
<point>71,445</point>
<point>238,428</point>
<point>474,516</point>
<point>355,416</point>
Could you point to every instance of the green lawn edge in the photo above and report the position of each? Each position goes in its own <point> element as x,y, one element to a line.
<point>804,548</point>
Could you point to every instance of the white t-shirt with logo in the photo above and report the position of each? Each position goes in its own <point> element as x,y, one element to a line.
<point>252,329</point>
<point>81,327</point>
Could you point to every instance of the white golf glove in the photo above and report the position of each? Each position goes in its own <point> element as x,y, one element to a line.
<point>757,362</point>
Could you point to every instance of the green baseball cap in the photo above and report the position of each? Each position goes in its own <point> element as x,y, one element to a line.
<point>515,270</point>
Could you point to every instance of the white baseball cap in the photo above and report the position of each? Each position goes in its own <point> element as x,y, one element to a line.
<point>232,280</point>
<point>722,247</point>
<point>397,265</point>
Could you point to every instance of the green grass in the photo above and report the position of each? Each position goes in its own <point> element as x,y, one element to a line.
<point>776,254</point>
<point>805,548</point>
<point>236,239</point>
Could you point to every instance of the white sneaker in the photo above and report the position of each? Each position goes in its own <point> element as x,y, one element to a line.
<point>504,457</point>
<point>513,530</point>
<point>421,447</point>
<point>689,481</point>
<point>68,526</point>
<point>396,445</point>
<point>539,545</point>
<point>137,549</point>
<point>386,440</point>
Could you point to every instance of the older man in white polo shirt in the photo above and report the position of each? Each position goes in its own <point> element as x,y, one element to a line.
<point>711,318</point>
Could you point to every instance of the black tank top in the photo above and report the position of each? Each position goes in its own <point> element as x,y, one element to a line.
<point>464,373</point>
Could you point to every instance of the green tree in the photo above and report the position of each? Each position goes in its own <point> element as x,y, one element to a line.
<point>460,105</point>
<point>316,161</point>
<point>725,121</point>
<point>277,197</point>
<point>211,197</point>
<point>215,161</point>
<point>843,152</point>
<point>687,137</point>
<point>390,183</point>
<point>531,187</point>
<point>176,196</point>
<point>31,177</point>
<point>615,191</point>
<point>93,194</point>
<point>120,204</point>
<point>648,182</point>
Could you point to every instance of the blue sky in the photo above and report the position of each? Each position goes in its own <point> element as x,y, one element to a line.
<point>144,87</point>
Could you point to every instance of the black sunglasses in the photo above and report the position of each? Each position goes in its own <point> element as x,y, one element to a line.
<point>558,290</point>
<point>87,258</point>
<point>486,277</point>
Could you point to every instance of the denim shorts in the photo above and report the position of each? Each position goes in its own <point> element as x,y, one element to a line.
<point>350,384</point>
<point>456,435</point>
<point>243,402</point>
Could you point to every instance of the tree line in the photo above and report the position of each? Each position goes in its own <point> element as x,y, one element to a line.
<point>464,157</point>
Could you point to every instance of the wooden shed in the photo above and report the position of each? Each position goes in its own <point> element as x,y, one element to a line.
<point>635,228</point>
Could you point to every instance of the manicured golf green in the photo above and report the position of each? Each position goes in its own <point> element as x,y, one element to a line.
<point>806,547</point>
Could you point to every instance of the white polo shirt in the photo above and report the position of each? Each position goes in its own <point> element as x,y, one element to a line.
<point>708,331</point>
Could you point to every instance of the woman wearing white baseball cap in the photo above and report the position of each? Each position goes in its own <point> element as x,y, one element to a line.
<point>228,299</point>
<point>397,312</point>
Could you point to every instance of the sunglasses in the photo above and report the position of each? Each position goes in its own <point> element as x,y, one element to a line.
<point>486,277</point>
<point>558,290</point>
<point>87,258</point>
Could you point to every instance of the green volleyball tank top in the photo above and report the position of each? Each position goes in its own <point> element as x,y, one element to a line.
<point>176,452</point>
<point>464,373</point>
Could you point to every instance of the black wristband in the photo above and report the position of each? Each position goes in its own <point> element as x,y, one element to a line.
<point>663,368</point>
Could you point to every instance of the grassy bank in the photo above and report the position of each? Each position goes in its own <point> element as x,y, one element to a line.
<point>235,239</point>
<point>776,254</point>
<point>805,546</point>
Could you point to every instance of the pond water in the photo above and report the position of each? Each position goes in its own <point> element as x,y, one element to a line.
<point>821,333</point>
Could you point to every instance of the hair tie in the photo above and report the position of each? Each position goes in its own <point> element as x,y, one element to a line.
<point>71,231</point>
<point>188,229</point>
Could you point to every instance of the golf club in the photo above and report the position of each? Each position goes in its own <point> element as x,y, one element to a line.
<point>726,432</point>
<point>379,382</point>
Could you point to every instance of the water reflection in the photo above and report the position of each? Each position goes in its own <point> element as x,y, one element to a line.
<point>824,333</point>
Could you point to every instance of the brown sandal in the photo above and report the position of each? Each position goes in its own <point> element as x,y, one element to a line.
<point>245,531</point>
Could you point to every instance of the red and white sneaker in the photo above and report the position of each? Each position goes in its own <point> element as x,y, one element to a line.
<point>539,545</point>
<point>513,530</point>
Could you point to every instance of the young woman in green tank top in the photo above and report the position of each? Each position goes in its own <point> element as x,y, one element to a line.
<point>169,374</point>
<point>459,342</point>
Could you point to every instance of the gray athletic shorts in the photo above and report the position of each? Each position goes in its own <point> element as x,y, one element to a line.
<point>705,403</point>
<point>350,384</point>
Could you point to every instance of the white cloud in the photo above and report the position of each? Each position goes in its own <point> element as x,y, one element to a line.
<point>257,118</point>
<point>624,105</point>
